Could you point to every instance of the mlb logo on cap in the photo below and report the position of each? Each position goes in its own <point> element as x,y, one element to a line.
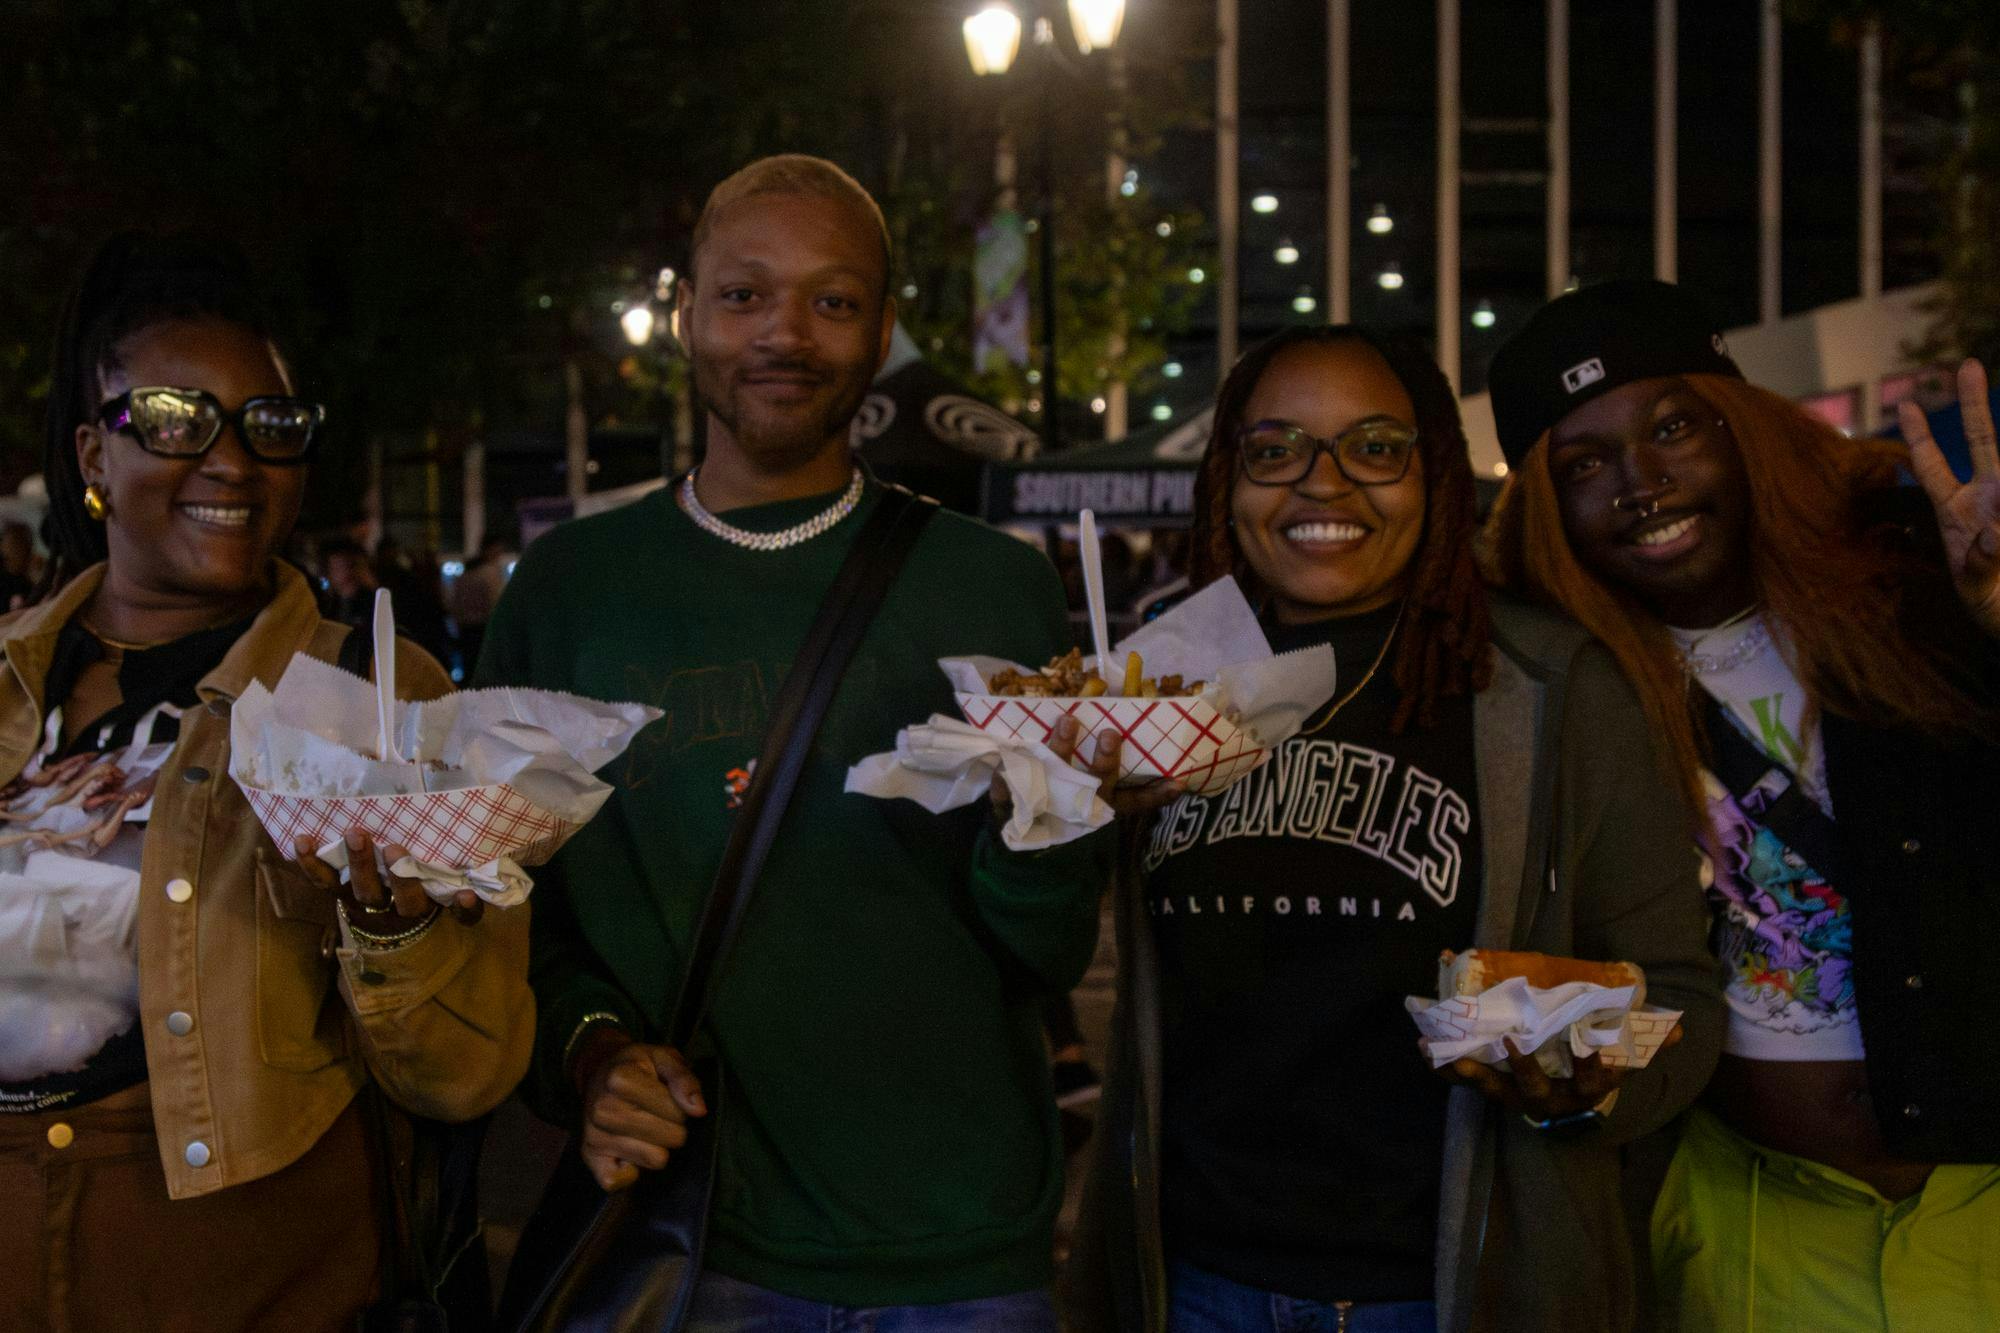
<point>1587,372</point>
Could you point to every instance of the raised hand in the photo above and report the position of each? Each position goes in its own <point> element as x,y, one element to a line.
<point>1968,514</point>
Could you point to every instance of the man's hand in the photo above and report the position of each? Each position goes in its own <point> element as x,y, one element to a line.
<point>1065,739</point>
<point>636,1102</point>
<point>1968,515</point>
<point>1527,1089</point>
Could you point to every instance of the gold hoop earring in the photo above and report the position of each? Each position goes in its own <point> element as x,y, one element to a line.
<point>93,503</point>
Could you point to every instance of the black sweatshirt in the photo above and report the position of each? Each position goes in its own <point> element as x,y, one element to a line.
<point>1303,1131</point>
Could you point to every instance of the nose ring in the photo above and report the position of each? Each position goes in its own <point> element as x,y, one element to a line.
<point>1643,508</point>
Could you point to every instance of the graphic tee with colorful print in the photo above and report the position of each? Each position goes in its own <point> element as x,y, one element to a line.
<point>1782,929</point>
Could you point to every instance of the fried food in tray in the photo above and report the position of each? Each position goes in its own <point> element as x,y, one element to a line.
<point>1065,678</point>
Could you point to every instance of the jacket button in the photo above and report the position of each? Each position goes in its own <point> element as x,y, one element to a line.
<point>180,1023</point>
<point>179,890</point>
<point>1915,981</point>
<point>1911,846</point>
<point>194,773</point>
<point>196,1154</point>
<point>61,1135</point>
<point>1912,1111</point>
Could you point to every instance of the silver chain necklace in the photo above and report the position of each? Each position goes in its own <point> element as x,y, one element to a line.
<point>1756,638</point>
<point>771,541</point>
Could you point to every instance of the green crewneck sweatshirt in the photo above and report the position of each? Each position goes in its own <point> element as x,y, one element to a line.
<point>890,1136</point>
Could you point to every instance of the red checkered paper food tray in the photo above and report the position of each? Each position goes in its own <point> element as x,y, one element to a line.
<point>461,829</point>
<point>1185,739</point>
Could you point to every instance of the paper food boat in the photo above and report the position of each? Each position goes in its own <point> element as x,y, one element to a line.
<point>1186,739</point>
<point>1252,702</point>
<point>499,776</point>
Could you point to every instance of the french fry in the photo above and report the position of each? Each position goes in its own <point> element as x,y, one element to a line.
<point>1094,687</point>
<point>1134,675</point>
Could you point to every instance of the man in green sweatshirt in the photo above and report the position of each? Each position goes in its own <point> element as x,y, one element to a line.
<point>891,1144</point>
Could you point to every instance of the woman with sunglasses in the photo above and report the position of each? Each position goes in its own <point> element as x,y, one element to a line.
<point>198,1035</point>
<point>1815,646</point>
<point>1274,1152</point>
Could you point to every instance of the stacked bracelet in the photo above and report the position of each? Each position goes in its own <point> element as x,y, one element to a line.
<point>374,943</point>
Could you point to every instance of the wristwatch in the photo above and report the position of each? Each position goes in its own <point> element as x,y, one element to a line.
<point>1576,1122</point>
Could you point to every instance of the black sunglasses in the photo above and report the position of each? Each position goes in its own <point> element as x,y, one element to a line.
<point>1375,453</point>
<point>186,423</point>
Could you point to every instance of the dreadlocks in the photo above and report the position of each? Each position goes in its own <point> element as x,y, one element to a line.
<point>133,282</point>
<point>1446,633</point>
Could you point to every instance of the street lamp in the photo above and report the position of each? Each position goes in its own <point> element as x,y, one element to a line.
<point>637,321</point>
<point>992,40</point>
<point>1096,23</point>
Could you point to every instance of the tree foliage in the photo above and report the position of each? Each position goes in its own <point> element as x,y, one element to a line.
<point>447,196</point>
<point>1949,44</point>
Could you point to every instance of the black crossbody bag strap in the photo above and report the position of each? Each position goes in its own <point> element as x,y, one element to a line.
<point>858,591</point>
<point>1781,806</point>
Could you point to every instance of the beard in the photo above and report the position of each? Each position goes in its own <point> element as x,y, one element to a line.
<point>778,439</point>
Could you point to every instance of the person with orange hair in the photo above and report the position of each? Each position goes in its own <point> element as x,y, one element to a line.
<point>1274,1150</point>
<point>1817,648</point>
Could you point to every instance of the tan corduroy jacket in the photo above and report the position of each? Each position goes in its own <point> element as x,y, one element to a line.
<point>275,1023</point>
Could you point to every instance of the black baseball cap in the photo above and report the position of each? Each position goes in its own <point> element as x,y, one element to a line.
<point>1589,342</point>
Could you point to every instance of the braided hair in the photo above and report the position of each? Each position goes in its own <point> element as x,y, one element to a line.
<point>1446,632</point>
<point>133,282</point>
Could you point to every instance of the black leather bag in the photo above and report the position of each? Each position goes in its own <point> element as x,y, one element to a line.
<point>627,1262</point>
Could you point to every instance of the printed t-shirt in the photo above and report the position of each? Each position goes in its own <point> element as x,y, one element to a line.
<point>1784,932</point>
<point>1303,1131</point>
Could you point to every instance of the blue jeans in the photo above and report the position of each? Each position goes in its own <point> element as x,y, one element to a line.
<point>1201,1302</point>
<point>723,1304</point>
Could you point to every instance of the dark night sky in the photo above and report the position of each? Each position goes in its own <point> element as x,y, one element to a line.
<point>1503,156</point>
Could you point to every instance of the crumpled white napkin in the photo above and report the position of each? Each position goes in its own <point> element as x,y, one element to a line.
<point>1556,1025</point>
<point>944,763</point>
<point>499,883</point>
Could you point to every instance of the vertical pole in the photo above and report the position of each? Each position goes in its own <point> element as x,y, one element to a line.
<point>1871,208</point>
<point>1558,192</point>
<point>1045,230</point>
<point>1116,394</point>
<point>1770,197</point>
<point>576,432</point>
<point>474,509</point>
<point>374,510</point>
<point>1227,131</point>
<point>432,538</point>
<point>1339,162</point>
<point>1447,190</point>
<point>1666,146</point>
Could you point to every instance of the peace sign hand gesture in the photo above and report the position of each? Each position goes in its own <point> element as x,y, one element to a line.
<point>1968,515</point>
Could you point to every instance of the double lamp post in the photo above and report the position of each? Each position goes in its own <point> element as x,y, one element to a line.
<point>992,41</point>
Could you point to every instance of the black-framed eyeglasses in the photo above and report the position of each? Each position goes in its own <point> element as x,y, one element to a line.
<point>186,423</point>
<point>1278,453</point>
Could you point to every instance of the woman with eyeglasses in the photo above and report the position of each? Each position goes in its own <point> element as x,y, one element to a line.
<point>1815,646</point>
<point>208,1045</point>
<point>1274,1151</point>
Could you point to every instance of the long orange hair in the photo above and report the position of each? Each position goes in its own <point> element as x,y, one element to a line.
<point>1832,595</point>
